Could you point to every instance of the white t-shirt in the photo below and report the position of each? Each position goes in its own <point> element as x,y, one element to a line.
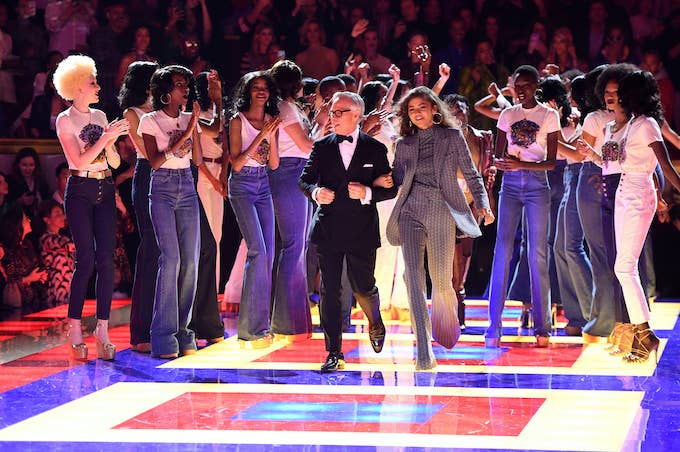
<point>139,112</point>
<point>594,125</point>
<point>527,131</point>
<point>569,134</point>
<point>87,128</point>
<point>167,131</point>
<point>638,156</point>
<point>291,114</point>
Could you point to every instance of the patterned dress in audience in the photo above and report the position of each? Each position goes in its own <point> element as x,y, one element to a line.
<point>58,256</point>
<point>20,262</point>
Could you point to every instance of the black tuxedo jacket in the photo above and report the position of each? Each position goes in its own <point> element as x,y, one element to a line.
<point>346,224</point>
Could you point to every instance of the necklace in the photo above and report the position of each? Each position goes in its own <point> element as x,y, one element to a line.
<point>172,117</point>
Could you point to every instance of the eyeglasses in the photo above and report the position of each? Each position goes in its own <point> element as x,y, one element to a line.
<point>190,44</point>
<point>339,113</point>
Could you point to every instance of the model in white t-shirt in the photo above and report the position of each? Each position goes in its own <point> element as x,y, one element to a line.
<point>135,101</point>
<point>638,114</point>
<point>88,143</point>
<point>530,132</point>
<point>172,140</point>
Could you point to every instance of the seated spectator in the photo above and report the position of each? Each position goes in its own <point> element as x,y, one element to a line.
<point>69,23</point>
<point>316,60</point>
<point>616,47</point>
<point>25,288</point>
<point>475,79</point>
<point>7,90</point>
<point>139,52</point>
<point>61,173</point>
<point>651,61</point>
<point>27,185</point>
<point>562,51</point>
<point>190,55</point>
<point>44,111</point>
<point>57,252</point>
<point>257,57</point>
<point>415,67</point>
<point>369,43</point>
<point>4,190</point>
<point>457,54</point>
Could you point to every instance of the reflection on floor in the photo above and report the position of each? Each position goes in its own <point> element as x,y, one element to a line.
<point>570,396</point>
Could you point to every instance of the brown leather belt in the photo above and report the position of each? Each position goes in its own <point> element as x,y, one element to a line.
<point>209,160</point>
<point>92,174</point>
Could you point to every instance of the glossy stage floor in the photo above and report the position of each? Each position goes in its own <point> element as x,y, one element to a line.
<point>569,396</point>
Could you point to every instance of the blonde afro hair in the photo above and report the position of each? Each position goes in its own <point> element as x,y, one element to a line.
<point>71,73</point>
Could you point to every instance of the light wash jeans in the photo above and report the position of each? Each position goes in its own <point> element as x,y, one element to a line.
<point>252,203</point>
<point>573,266</point>
<point>528,192</point>
<point>173,204</point>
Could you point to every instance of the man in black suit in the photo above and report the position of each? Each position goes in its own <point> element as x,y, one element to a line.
<point>338,177</point>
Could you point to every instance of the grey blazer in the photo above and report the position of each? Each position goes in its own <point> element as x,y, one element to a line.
<point>451,153</point>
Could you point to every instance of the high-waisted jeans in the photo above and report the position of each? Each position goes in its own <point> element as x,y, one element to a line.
<point>589,204</point>
<point>252,202</point>
<point>633,214</point>
<point>173,204</point>
<point>573,266</point>
<point>528,192</point>
<point>146,266</point>
<point>90,207</point>
<point>290,314</point>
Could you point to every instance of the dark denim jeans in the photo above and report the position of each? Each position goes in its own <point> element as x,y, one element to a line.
<point>528,192</point>
<point>173,204</point>
<point>610,183</point>
<point>590,210</point>
<point>290,311</point>
<point>573,266</point>
<point>252,202</point>
<point>146,267</point>
<point>90,207</point>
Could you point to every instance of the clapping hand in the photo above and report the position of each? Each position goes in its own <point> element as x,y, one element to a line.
<point>325,196</point>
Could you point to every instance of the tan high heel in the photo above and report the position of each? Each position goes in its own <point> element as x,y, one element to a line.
<point>76,351</point>
<point>105,350</point>
<point>625,340</point>
<point>614,337</point>
<point>644,343</point>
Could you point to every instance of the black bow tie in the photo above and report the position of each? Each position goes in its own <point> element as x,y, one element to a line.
<point>342,138</point>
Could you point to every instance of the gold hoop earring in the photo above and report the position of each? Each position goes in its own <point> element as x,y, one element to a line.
<point>434,116</point>
<point>163,101</point>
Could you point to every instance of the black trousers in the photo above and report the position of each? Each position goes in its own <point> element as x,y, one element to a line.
<point>360,270</point>
<point>205,314</point>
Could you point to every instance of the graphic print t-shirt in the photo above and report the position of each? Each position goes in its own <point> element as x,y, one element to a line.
<point>167,131</point>
<point>87,128</point>
<point>527,131</point>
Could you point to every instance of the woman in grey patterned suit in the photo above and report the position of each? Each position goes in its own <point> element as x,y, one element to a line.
<point>429,207</point>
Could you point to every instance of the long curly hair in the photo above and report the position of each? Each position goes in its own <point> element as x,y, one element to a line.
<point>242,93</point>
<point>615,73</point>
<point>135,88</point>
<point>639,95</point>
<point>425,93</point>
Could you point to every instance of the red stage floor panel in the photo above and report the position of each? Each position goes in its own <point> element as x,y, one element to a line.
<point>457,415</point>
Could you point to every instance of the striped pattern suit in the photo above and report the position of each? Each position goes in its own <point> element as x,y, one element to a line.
<point>427,219</point>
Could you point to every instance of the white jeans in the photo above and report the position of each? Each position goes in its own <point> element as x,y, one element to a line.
<point>213,204</point>
<point>633,213</point>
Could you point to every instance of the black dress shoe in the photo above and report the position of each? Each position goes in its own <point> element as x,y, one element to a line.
<point>376,333</point>
<point>334,361</point>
